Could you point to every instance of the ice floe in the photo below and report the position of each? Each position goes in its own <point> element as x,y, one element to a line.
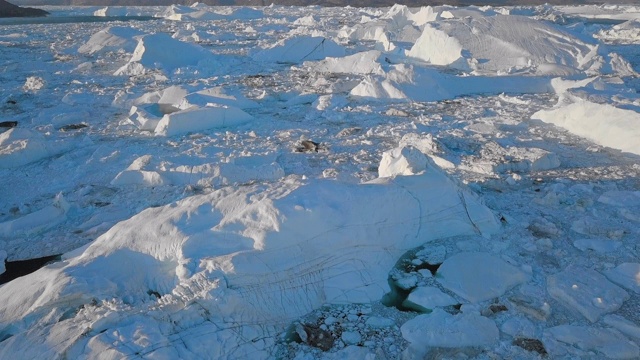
<point>479,276</point>
<point>586,291</point>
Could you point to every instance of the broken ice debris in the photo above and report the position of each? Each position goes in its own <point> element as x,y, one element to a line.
<point>586,291</point>
<point>479,276</point>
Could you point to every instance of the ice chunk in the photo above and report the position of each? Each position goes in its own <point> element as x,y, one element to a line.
<point>441,329</point>
<point>38,220</point>
<point>301,48</point>
<point>402,161</point>
<point>33,84</point>
<point>113,38</point>
<point>199,119</point>
<point>581,341</point>
<point>586,291</point>
<point>20,146</point>
<point>490,45</point>
<point>161,51</point>
<point>427,298</point>
<point>598,245</point>
<point>603,124</point>
<point>626,275</point>
<point>478,276</point>
<point>428,84</point>
<point>360,63</point>
<point>623,325</point>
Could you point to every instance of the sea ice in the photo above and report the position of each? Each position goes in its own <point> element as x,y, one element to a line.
<point>427,298</point>
<point>114,38</point>
<point>301,48</point>
<point>586,291</point>
<point>199,119</point>
<point>581,341</point>
<point>166,53</point>
<point>477,276</point>
<point>603,124</point>
<point>441,329</point>
<point>626,275</point>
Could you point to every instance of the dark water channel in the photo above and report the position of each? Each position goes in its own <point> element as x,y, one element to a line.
<point>16,269</point>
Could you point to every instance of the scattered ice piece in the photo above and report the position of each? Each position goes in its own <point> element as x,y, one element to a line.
<point>626,275</point>
<point>597,245</point>
<point>33,84</point>
<point>199,119</point>
<point>477,276</point>
<point>377,322</point>
<point>301,48</point>
<point>441,329</point>
<point>351,337</point>
<point>581,341</point>
<point>623,325</point>
<point>38,220</point>
<point>586,291</point>
<point>427,298</point>
<point>407,282</point>
<point>405,160</point>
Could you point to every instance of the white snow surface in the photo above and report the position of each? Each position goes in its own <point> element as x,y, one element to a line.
<point>281,182</point>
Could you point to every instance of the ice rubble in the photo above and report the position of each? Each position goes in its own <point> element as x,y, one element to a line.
<point>625,33</point>
<point>254,257</point>
<point>161,51</point>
